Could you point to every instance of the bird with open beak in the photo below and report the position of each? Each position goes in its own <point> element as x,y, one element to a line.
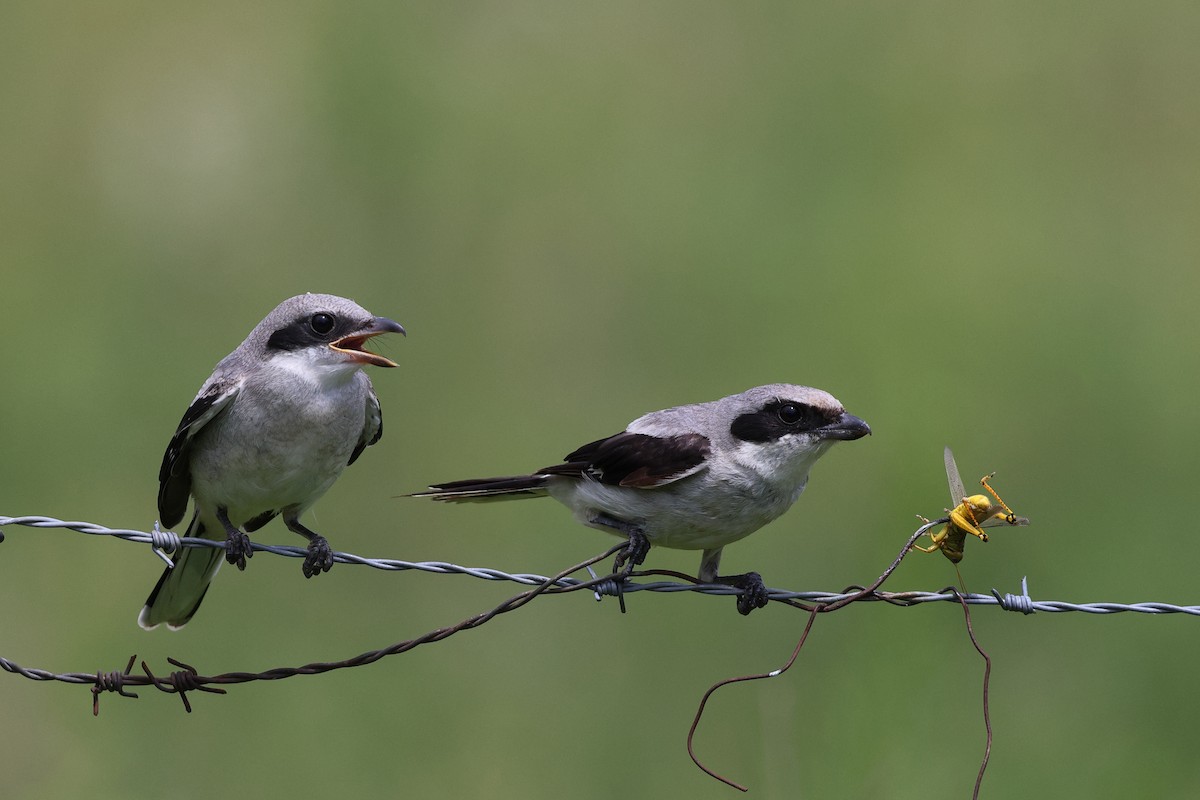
<point>267,435</point>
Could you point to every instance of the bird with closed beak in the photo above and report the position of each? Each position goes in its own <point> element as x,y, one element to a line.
<point>268,433</point>
<point>693,477</point>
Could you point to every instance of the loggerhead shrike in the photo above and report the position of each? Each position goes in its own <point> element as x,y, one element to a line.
<point>695,477</point>
<point>268,434</point>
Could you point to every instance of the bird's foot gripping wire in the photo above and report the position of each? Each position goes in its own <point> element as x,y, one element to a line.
<point>632,555</point>
<point>319,558</point>
<point>320,554</point>
<point>635,552</point>
<point>754,591</point>
<point>237,548</point>
<point>237,543</point>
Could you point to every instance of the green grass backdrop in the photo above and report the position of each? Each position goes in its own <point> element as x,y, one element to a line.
<point>975,224</point>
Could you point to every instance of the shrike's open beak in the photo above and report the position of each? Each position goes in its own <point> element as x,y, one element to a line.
<point>352,345</point>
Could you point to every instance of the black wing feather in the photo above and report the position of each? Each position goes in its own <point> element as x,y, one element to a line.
<point>635,459</point>
<point>174,476</point>
<point>372,425</point>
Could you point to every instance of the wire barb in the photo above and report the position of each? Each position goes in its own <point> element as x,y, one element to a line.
<point>164,543</point>
<point>180,682</point>
<point>111,682</point>
<point>604,587</point>
<point>1012,602</point>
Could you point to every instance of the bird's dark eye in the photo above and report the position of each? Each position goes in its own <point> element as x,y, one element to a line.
<point>321,323</point>
<point>790,413</point>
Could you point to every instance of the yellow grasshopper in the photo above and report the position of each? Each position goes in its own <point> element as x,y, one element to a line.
<point>970,516</point>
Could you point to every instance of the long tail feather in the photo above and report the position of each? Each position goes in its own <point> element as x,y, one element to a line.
<point>179,591</point>
<point>480,489</point>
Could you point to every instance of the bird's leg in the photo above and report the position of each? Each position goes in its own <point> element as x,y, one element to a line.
<point>237,543</point>
<point>320,555</point>
<point>635,553</point>
<point>754,592</point>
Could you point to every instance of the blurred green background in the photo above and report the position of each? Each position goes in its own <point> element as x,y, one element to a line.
<point>974,224</point>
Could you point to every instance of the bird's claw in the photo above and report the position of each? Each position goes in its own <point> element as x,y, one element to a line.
<point>754,591</point>
<point>633,554</point>
<point>237,548</point>
<point>319,558</point>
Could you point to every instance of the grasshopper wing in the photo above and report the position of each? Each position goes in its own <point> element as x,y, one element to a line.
<point>957,492</point>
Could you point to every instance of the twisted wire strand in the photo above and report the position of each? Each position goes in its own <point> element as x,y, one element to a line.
<point>1023,603</point>
<point>187,679</point>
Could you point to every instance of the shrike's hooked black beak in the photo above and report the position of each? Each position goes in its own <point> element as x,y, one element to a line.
<point>352,345</point>
<point>847,428</point>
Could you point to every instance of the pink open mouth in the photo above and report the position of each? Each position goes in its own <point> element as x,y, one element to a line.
<point>353,347</point>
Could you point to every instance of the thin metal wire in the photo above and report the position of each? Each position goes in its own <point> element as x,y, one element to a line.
<point>188,679</point>
<point>1008,602</point>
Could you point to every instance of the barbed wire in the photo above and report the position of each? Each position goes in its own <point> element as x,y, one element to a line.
<point>186,678</point>
<point>813,611</point>
<point>166,542</point>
